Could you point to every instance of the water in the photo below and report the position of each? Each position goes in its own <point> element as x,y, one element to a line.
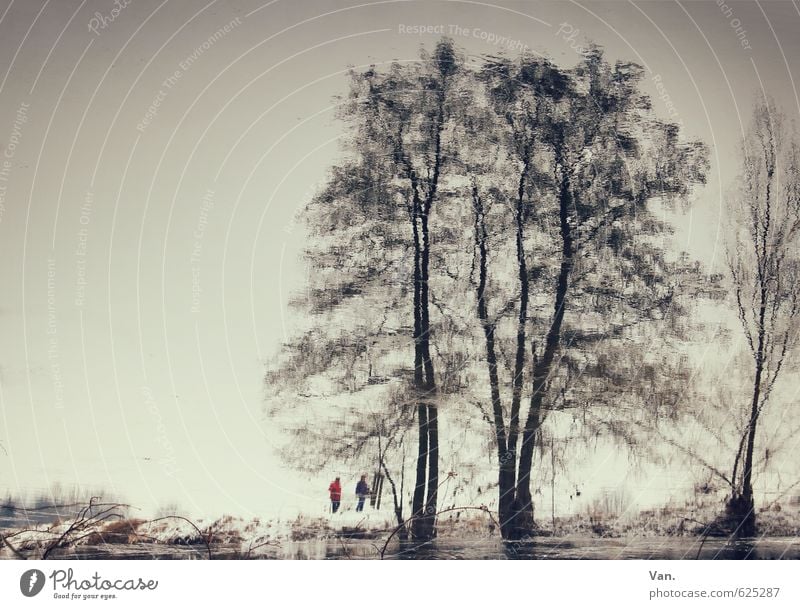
<point>576,548</point>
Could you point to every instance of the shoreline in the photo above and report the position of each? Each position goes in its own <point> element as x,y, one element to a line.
<point>239,538</point>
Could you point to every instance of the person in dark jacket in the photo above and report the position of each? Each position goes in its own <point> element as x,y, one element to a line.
<point>362,490</point>
<point>335,489</point>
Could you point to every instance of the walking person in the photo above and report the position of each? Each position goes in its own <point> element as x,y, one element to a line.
<point>335,489</point>
<point>362,490</point>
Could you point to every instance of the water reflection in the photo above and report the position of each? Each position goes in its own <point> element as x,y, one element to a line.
<point>662,548</point>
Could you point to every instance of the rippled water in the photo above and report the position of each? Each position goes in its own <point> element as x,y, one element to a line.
<point>669,548</point>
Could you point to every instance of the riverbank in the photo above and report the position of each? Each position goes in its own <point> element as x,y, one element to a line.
<point>234,537</point>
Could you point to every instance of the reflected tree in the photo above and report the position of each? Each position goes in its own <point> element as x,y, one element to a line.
<point>763,264</point>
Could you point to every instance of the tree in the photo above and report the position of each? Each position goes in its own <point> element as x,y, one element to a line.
<point>612,160</point>
<point>373,216</point>
<point>508,122</point>
<point>763,264</point>
<point>571,167</point>
<point>405,113</point>
<point>535,189</point>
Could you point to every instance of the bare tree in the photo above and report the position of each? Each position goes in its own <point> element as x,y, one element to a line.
<point>764,265</point>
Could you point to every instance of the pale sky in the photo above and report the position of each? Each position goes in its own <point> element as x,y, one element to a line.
<point>115,372</point>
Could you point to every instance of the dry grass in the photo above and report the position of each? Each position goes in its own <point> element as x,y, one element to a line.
<point>118,532</point>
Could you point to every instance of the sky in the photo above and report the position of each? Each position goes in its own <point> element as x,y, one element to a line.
<point>153,157</point>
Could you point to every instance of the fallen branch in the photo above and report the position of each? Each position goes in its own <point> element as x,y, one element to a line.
<point>199,532</point>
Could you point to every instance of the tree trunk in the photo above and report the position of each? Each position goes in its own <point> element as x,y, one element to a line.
<point>433,473</point>
<point>747,503</point>
<point>506,461</point>
<point>742,506</point>
<point>524,524</point>
<point>519,360</point>
<point>428,530</point>
<point>522,318</point>
<point>402,534</point>
<point>424,507</point>
<point>418,499</point>
<point>417,503</point>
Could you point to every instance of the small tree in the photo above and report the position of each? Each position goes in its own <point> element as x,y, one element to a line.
<point>764,267</point>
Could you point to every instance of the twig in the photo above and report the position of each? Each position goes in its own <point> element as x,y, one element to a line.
<point>344,547</point>
<point>10,547</point>
<point>272,542</point>
<point>81,522</point>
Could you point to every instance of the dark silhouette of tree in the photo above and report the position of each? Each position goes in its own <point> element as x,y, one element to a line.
<point>532,189</point>
<point>611,161</point>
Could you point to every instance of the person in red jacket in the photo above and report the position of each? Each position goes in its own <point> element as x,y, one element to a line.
<point>335,489</point>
